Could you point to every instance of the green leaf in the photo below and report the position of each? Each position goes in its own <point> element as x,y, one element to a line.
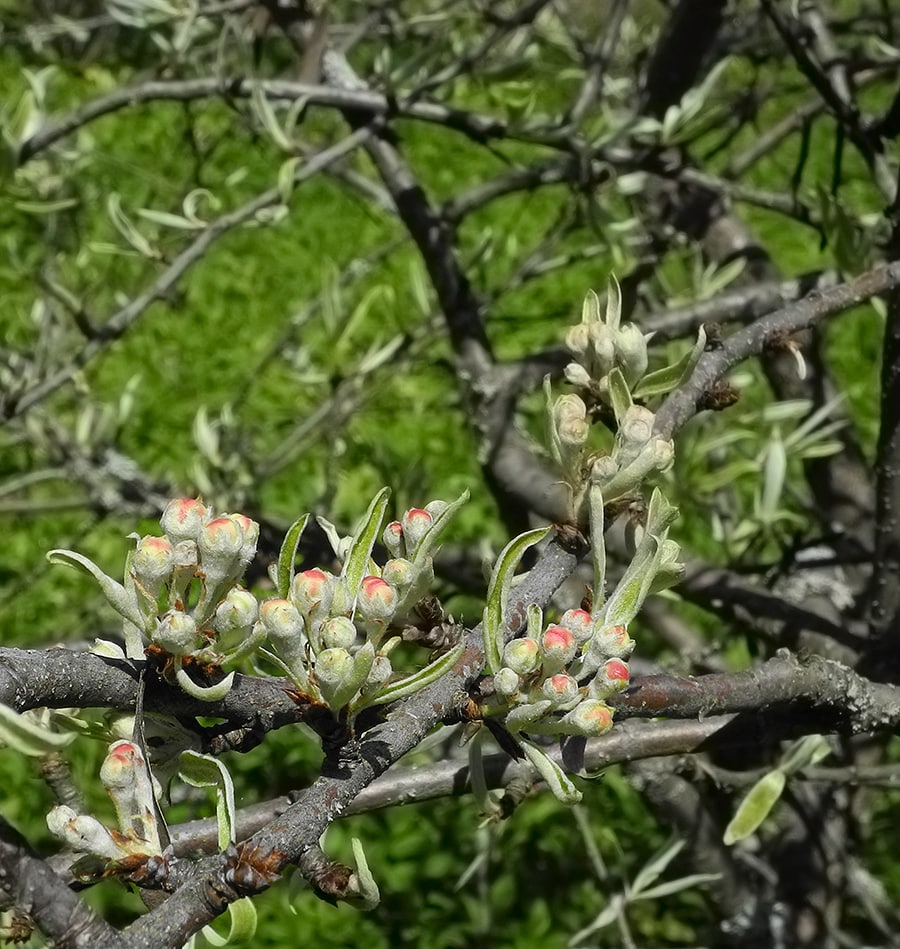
<point>655,868</point>
<point>805,753</point>
<point>676,886</point>
<point>774,472</point>
<point>598,546</point>
<point>205,771</point>
<point>23,734</point>
<point>242,922</point>
<point>363,659</point>
<point>211,693</point>
<point>557,780</point>
<point>755,807</point>
<point>494,623</point>
<point>363,541</point>
<point>418,680</point>
<point>123,603</point>
<point>613,303</point>
<point>430,540</point>
<point>284,574</point>
<point>619,394</point>
<point>368,895</point>
<point>670,377</point>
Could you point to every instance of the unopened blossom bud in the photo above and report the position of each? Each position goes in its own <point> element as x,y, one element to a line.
<point>311,589</point>
<point>177,633</point>
<point>152,562</point>
<point>604,469</point>
<point>578,339</point>
<point>631,352</point>
<point>183,519</point>
<point>573,432</point>
<point>506,682</point>
<point>417,523</point>
<point>283,622</point>
<point>522,655</point>
<point>220,544</point>
<point>393,538</point>
<point>250,530</point>
<point>82,833</point>
<point>436,508</point>
<point>612,677</point>
<point>333,667</point>
<point>338,632</point>
<point>612,641</point>
<point>580,623</point>
<point>398,573</point>
<point>125,776</point>
<point>637,426</point>
<point>602,352</point>
<point>377,600</point>
<point>557,648</point>
<point>560,689</point>
<point>589,718</point>
<point>239,610</point>
<point>577,375</point>
<point>379,674</point>
<point>663,452</point>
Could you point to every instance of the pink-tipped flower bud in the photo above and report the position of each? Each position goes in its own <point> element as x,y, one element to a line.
<point>338,632</point>
<point>612,641</point>
<point>238,611</point>
<point>416,524</point>
<point>282,621</point>
<point>177,633</point>
<point>612,677</point>
<point>589,718</point>
<point>580,623</point>
<point>311,589</point>
<point>393,538</point>
<point>152,563</point>
<point>560,689</point>
<point>377,600</point>
<point>399,573</point>
<point>250,530</point>
<point>506,682</point>
<point>436,508</point>
<point>523,656</point>
<point>220,543</point>
<point>183,519</point>
<point>558,647</point>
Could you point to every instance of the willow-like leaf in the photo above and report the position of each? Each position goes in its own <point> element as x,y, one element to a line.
<point>285,570</point>
<point>557,780</point>
<point>363,541</point>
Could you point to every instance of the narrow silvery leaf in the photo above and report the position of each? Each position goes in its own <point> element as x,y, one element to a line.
<point>676,886</point>
<point>619,394</point>
<point>755,807</point>
<point>211,693</point>
<point>494,623</point>
<point>598,545</point>
<point>629,594</point>
<point>805,753</point>
<point>124,603</point>
<point>363,541</point>
<point>670,377</point>
<point>205,771</point>
<point>363,659</point>
<point>590,309</point>
<point>367,889</point>
<point>613,303</point>
<point>522,716</point>
<point>534,622</point>
<point>287,556</point>
<point>774,472</point>
<point>552,433</point>
<point>418,680</point>
<point>557,780</point>
<point>23,734</point>
<point>654,869</point>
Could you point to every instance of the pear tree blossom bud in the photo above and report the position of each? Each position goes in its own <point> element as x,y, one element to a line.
<point>183,519</point>
<point>152,562</point>
<point>338,632</point>
<point>82,833</point>
<point>312,589</point>
<point>436,508</point>
<point>522,655</point>
<point>177,633</point>
<point>377,600</point>
<point>560,689</point>
<point>399,573</point>
<point>250,530</point>
<point>589,718</point>
<point>612,677</point>
<point>283,622</point>
<point>612,641</point>
<point>238,611</point>
<point>333,667</point>
<point>580,623</point>
<point>124,775</point>
<point>663,452</point>
<point>602,350</point>
<point>604,469</point>
<point>378,675</point>
<point>393,538</point>
<point>417,523</point>
<point>506,682</point>
<point>631,352</point>
<point>220,544</point>
<point>558,648</point>
<point>577,375</point>
<point>578,339</point>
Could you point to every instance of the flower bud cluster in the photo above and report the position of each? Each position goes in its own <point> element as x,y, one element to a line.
<point>599,345</point>
<point>556,683</point>
<point>331,633</point>
<point>126,778</point>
